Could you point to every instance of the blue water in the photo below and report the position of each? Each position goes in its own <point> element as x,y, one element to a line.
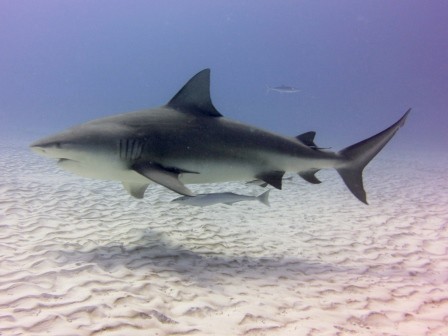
<point>359,64</point>
<point>83,257</point>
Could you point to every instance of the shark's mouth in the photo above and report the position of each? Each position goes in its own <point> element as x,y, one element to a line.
<point>63,160</point>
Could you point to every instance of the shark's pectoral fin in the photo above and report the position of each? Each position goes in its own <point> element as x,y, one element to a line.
<point>273,178</point>
<point>168,177</point>
<point>136,190</point>
<point>309,176</point>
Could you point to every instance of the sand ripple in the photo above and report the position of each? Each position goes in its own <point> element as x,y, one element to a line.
<point>80,257</point>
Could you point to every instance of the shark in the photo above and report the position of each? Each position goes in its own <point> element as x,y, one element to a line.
<point>188,141</point>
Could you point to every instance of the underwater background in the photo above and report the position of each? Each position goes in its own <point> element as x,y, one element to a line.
<point>81,257</point>
<point>359,64</point>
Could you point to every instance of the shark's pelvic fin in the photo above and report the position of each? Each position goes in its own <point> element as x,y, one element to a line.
<point>169,178</point>
<point>136,190</point>
<point>194,97</point>
<point>310,176</point>
<point>359,155</point>
<point>273,178</point>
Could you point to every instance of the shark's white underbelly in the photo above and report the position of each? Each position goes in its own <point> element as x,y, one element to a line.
<point>202,171</point>
<point>205,173</point>
<point>102,170</point>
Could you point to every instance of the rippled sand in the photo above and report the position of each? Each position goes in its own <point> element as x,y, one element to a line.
<point>81,257</point>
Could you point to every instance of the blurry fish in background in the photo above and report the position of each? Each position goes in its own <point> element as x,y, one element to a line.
<point>282,89</point>
<point>228,198</point>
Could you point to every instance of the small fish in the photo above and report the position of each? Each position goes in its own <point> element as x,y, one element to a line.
<point>228,198</point>
<point>283,89</point>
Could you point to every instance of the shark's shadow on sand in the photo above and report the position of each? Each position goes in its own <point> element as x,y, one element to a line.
<point>154,254</point>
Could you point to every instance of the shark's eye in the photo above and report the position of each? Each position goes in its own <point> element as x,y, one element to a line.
<point>63,144</point>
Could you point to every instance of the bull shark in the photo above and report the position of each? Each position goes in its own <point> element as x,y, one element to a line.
<point>187,141</point>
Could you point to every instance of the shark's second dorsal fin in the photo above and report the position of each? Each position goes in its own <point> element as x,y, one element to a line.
<point>307,138</point>
<point>194,97</point>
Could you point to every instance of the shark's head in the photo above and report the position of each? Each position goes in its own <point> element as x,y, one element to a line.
<point>64,145</point>
<point>73,144</point>
<point>82,149</point>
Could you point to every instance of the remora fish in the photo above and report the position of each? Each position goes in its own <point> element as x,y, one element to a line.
<point>189,141</point>
<point>283,89</point>
<point>203,200</point>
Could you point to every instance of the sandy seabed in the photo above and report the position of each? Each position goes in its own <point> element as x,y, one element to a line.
<point>81,257</point>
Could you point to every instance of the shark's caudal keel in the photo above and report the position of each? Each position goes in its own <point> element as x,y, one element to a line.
<point>189,141</point>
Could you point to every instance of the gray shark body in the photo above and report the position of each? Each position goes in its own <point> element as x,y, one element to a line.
<point>189,141</point>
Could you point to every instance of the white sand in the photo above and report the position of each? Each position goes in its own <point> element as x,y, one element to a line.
<point>81,257</point>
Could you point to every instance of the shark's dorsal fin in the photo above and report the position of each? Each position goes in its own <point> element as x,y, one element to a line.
<point>308,140</point>
<point>194,97</point>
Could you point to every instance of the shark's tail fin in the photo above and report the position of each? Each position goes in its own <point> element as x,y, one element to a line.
<point>359,155</point>
<point>264,198</point>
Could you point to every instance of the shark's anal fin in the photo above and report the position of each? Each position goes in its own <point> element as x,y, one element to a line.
<point>136,190</point>
<point>168,177</point>
<point>309,176</point>
<point>194,97</point>
<point>273,178</point>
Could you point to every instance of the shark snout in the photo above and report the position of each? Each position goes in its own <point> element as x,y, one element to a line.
<point>37,149</point>
<point>47,147</point>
